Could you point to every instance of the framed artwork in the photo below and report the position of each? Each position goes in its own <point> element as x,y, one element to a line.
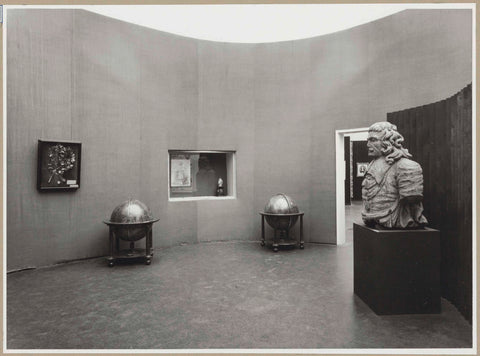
<point>361,169</point>
<point>180,173</point>
<point>58,165</point>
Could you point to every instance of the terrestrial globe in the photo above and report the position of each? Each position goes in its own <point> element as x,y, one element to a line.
<point>131,216</point>
<point>281,204</point>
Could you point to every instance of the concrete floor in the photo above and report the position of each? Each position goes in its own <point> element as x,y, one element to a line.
<point>233,295</point>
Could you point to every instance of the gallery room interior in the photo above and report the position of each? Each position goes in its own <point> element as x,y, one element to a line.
<point>167,192</point>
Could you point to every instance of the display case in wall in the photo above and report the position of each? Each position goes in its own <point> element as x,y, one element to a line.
<point>196,175</point>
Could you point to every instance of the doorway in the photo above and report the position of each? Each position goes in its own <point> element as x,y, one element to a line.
<point>349,170</point>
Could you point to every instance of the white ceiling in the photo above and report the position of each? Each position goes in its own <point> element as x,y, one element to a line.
<point>251,23</point>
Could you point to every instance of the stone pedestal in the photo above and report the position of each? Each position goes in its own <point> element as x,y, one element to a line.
<point>397,271</point>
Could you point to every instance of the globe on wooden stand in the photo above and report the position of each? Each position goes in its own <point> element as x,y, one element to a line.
<point>130,221</point>
<point>281,213</point>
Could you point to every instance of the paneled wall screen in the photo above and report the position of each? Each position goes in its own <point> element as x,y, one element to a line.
<point>439,136</point>
<point>201,174</point>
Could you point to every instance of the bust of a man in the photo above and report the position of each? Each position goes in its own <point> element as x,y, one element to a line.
<point>392,190</point>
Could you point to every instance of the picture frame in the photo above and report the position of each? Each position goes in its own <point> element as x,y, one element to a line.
<point>58,165</point>
<point>181,173</point>
<point>361,169</point>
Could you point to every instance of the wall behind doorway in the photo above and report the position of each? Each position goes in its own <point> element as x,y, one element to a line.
<point>348,173</point>
<point>360,155</point>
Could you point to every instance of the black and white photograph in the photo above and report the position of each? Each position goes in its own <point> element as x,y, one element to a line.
<point>255,178</point>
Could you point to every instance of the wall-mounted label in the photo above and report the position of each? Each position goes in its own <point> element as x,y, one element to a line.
<point>71,181</point>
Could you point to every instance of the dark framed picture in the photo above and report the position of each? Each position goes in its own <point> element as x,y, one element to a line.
<point>58,166</point>
<point>361,169</point>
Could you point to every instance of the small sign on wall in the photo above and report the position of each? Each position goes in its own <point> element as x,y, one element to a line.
<point>58,166</point>
<point>361,169</point>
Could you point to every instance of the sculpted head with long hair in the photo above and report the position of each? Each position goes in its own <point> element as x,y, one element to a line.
<point>385,140</point>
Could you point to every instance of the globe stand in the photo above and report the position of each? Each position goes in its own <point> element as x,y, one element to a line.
<point>285,239</point>
<point>132,252</point>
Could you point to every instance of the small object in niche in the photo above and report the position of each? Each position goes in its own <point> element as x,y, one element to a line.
<point>220,190</point>
<point>130,221</point>
<point>392,190</point>
<point>281,213</point>
<point>58,166</point>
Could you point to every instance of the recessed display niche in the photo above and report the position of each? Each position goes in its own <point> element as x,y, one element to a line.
<point>196,175</point>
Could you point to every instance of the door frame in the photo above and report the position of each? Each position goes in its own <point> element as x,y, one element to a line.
<point>340,179</point>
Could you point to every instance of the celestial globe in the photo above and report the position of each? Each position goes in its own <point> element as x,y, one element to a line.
<point>134,214</point>
<point>281,204</point>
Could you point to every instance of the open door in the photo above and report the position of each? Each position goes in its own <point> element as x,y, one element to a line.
<point>341,173</point>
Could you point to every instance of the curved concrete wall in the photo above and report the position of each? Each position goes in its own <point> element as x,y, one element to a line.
<point>129,94</point>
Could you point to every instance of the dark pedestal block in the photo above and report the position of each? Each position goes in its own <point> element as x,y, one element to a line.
<point>397,271</point>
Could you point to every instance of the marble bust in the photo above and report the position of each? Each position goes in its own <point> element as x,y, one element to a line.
<point>392,190</point>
